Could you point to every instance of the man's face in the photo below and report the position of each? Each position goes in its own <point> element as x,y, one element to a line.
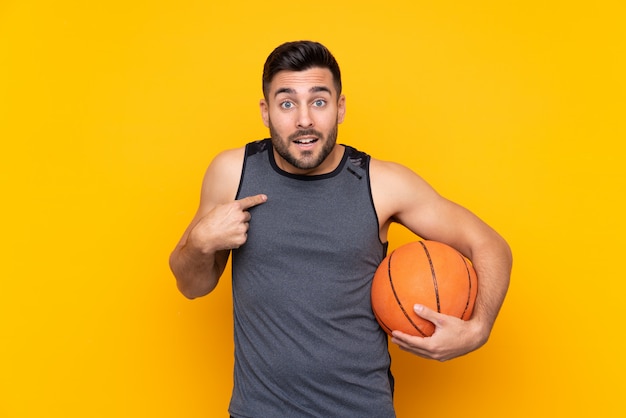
<point>302,111</point>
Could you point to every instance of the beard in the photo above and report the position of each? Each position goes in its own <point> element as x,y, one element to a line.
<point>307,159</point>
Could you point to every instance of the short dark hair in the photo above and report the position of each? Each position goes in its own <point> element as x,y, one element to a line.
<point>300,56</point>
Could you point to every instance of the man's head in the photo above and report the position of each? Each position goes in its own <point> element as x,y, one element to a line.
<point>302,107</point>
<point>299,56</point>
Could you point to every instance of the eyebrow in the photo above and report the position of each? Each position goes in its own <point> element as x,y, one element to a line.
<point>314,89</point>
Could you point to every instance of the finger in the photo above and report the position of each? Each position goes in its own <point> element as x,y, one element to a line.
<point>425,312</point>
<point>416,345</point>
<point>251,201</point>
<point>437,318</point>
<point>400,337</point>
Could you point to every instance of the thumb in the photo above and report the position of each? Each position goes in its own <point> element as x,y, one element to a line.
<point>425,312</point>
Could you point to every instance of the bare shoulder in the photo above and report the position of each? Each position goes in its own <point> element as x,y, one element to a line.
<point>401,195</point>
<point>389,171</point>
<point>221,178</point>
<point>227,160</point>
<point>395,185</point>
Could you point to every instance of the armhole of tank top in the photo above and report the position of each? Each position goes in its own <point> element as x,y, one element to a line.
<point>369,188</point>
<point>243,171</point>
<point>252,148</point>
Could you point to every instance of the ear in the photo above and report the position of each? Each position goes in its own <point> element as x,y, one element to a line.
<point>265,112</point>
<point>341,108</point>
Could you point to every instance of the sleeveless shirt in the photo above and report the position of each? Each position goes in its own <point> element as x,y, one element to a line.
<point>306,341</point>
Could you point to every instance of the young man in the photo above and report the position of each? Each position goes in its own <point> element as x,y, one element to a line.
<point>306,220</point>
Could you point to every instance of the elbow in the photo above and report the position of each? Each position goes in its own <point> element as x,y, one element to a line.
<point>507,254</point>
<point>495,247</point>
<point>503,256</point>
<point>185,290</point>
<point>193,280</point>
<point>193,287</point>
<point>189,294</point>
<point>499,248</point>
<point>192,292</point>
<point>187,285</point>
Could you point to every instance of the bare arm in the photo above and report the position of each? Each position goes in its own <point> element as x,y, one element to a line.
<point>402,196</point>
<point>220,224</point>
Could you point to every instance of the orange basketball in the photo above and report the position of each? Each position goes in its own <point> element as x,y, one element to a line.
<point>430,273</point>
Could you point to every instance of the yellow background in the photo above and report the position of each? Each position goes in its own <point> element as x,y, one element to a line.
<point>111,111</point>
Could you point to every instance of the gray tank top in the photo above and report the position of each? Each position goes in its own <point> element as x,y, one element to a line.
<point>306,341</point>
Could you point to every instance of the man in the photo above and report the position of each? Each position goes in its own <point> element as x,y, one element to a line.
<point>307,220</point>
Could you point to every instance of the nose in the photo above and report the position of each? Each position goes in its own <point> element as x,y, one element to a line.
<point>304,118</point>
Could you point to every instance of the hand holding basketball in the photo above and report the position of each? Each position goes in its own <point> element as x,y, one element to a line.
<point>423,295</point>
<point>453,337</point>
<point>429,273</point>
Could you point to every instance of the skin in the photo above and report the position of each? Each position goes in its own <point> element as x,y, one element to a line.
<point>302,111</point>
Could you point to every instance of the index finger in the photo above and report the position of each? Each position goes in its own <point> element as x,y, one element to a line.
<point>251,201</point>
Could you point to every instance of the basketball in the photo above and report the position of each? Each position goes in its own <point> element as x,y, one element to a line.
<point>429,273</point>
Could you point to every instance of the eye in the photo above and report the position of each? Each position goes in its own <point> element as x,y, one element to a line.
<point>286,105</point>
<point>319,103</point>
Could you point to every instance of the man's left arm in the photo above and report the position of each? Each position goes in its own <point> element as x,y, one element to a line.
<point>402,196</point>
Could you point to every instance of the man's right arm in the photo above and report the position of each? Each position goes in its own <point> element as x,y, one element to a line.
<point>219,225</point>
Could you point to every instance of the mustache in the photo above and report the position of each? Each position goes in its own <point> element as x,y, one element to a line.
<point>305,132</point>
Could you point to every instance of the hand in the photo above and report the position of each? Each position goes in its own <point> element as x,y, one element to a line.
<point>453,337</point>
<point>224,227</point>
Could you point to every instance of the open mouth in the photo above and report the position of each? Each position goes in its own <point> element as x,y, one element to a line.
<point>305,141</point>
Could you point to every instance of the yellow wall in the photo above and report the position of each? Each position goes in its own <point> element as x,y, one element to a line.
<point>110,112</point>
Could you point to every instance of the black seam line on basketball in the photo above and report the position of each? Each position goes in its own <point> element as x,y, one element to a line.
<point>395,294</point>
<point>433,274</point>
<point>469,285</point>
